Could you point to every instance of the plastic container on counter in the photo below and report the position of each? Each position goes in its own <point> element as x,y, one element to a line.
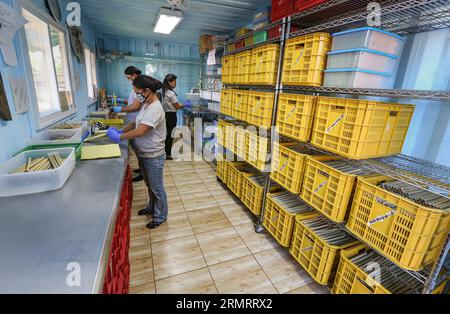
<point>35,182</point>
<point>82,126</point>
<point>358,78</point>
<point>369,38</point>
<point>53,137</point>
<point>364,59</point>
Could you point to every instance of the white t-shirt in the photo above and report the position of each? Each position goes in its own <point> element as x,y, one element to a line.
<point>131,116</point>
<point>170,100</point>
<point>152,144</point>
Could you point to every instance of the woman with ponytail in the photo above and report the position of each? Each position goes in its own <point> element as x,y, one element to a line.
<point>148,135</point>
<point>171,106</point>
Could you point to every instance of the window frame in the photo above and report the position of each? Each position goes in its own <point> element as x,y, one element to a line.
<point>43,122</point>
<point>89,71</point>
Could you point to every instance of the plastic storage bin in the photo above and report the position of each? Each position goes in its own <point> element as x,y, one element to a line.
<point>243,61</point>
<point>361,129</point>
<point>316,253</point>
<point>353,275</point>
<point>222,169</point>
<point>260,37</point>
<point>288,165</point>
<point>35,182</point>
<point>223,128</point>
<point>226,101</point>
<point>296,115</point>
<point>51,137</point>
<point>239,145</point>
<point>282,8</point>
<point>253,193</point>
<point>257,151</point>
<point>363,59</point>
<point>409,234</point>
<point>228,69</point>
<point>260,109</point>
<point>240,44</point>
<point>240,104</point>
<point>236,172</point>
<point>81,126</point>
<point>369,38</point>
<point>281,210</point>
<point>327,189</point>
<point>107,123</point>
<point>78,148</point>
<point>264,65</point>
<point>305,59</point>
<point>302,5</point>
<point>358,78</point>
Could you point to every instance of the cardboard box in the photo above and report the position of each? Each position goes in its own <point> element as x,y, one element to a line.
<point>205,43</point>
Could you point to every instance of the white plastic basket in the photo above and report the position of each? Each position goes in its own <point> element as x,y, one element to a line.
<point>50,137</point>
<point>35,182</point>
<point>83,126</point>
<point>357,78</point>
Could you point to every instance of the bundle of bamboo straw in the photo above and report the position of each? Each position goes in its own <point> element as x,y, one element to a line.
<point>53,161</point>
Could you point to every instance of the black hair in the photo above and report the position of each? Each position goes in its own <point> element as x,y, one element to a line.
<point>166,86</point>
<point>132,70</point>
<point>147,82</point>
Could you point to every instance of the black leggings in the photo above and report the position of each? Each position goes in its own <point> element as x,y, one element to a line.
<point>171,123</point>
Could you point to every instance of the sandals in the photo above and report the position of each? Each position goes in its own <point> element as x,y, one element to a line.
<point>144,212</point>
<point>154,224</point>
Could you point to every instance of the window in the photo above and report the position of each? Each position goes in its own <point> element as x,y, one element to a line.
<point>91,72</point>
<point>49,66</point>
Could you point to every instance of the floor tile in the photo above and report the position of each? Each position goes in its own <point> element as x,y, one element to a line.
<point>195,282</point>
<point>148,288</point>
<point>177,226</point>
<point>141,273</point>
<point>193,203</point>
<point>238,214</point>
<point>241,276</point>
<point>176,256</point>
<point>210,219</point>
<point>284,272</point>
<point>139,254</point>
<point>222,245</point>
<point>256,242</point>
<point>311,288</point>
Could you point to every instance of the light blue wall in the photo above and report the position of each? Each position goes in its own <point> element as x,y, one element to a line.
<point>180,59</point>
<point>15,134</point>
<point>426,65</point>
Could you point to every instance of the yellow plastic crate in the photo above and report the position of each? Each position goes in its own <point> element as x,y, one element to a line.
<point>257,151</point>
<point>260,109</point>
<point>296,115</point>
<point>236,172</point>
<point>361,129</point>
<point>326,189</point>
<point>305,59</point>
<point>288,165</point>
<point>243,61</point>
<point>228,68</point>
<point>112,123</point>
<point>314,254</point>
<point>240,104</point>
<point>264,65</point>
<point>253,193</point>
<point>280,221</point>
<point>226,101</point>
<point>354,279</point>
<point>239,145</point>
<point>222,169</point>
<point>223,128</point>
<point>409,234</point>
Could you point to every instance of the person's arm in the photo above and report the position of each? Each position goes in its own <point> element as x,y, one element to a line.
<point>139,132</point>
<point>179,106</point>
<point>129,127</point>
<point>136,106</point>
<point>174,100</point>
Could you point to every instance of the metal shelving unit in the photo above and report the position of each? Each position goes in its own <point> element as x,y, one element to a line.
<point>399,16</point>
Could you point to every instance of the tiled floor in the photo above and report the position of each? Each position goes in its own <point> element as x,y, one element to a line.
<point>208,245</point>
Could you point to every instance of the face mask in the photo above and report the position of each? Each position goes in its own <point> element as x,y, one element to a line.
<point>141,98</point>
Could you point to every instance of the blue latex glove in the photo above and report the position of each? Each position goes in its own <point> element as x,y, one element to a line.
<point>113,135</point>
<point>118,131</point>
<point>117,109</point>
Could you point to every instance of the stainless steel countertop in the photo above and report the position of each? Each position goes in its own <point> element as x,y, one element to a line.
<point>41,234</point>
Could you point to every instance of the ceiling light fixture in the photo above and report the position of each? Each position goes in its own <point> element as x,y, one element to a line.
<point>168,19</point>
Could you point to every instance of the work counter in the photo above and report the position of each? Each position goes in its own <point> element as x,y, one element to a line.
<point>46,238</point>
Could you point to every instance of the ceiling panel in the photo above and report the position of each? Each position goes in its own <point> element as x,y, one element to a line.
<point>136,18</point>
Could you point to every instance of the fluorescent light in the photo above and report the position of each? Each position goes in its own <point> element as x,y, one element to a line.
<point>167,21</point>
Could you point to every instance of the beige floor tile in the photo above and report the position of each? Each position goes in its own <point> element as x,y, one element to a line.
<point>138,239</point>
<point>195,203</point>
<point>148,288</point>
<point>225,198</point>
<point>241,276</point>
<point>284,272</point>
<point>195,282</point>
<point>174,203</point>
<point>311,288</point>
<point>176,256</point>
<point>238,214</point>
<point>209,219</point>
<point>192,188</point>
<point>256,242</point>
<point>141,273</point>
<point>221,246</point>
<point>139,254</point>
<point>177,226</point>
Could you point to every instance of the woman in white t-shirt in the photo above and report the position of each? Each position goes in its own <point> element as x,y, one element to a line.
<point>148,134</point>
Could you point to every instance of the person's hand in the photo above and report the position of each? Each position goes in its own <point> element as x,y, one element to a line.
<point>113,135</point>
<point>117,109</point>
<point>118,131</point>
